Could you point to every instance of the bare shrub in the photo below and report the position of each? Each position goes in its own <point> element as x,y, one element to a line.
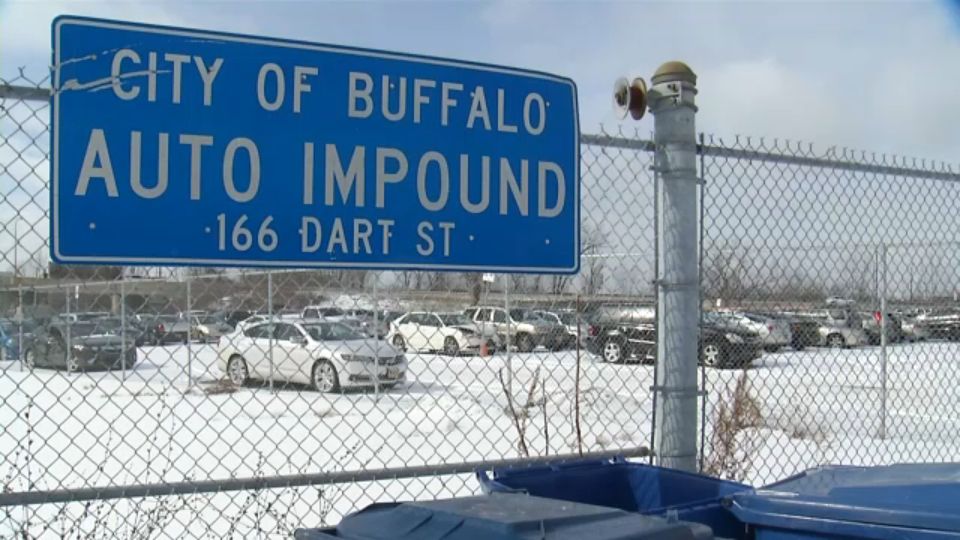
<point>735,439</point>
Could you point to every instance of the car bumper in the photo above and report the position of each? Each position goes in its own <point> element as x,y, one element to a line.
<point>364,374</point>
<point>92,360</point>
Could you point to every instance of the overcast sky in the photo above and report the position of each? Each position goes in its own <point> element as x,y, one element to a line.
<point>880,76</point>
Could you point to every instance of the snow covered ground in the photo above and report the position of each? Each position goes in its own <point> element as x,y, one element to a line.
<point>168,420</point>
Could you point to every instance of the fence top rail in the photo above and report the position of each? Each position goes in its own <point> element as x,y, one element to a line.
<point>24,93</point>
<point>898,167</point>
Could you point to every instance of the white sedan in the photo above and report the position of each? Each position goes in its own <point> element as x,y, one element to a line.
<point>450,333</point>
<point>329,356</point>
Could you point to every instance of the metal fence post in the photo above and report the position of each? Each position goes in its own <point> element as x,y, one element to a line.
<point>273,323</point>
<point>883,341</point>
<point>678,287</point>
<point>123,327</point>
<point>189,319</point>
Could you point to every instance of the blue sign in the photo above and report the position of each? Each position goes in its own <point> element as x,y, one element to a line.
<point>186,147</point>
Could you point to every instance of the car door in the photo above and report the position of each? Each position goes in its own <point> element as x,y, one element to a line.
<point>408,328</point>
<point>501,322</point>
<point>255,349</point>
<point>431,326</point>
<point>481,318</point>
<point>291,358</point>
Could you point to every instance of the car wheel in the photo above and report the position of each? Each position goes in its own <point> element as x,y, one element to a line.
<point>772,348</point>
<point>451,347</point>
<point>237,371</point>
<point>29,359</point>
<point>612,352</point>
<point>836,341</point>
<point>712,355</point>
<point>73,364</point>
<point>399,343</point>
<point>524,343</point>
<point>325,377</point>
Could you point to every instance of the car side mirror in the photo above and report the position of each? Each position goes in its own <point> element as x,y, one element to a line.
<point>299,340</point>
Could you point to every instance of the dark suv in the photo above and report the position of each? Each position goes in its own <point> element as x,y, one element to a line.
<point>632,336</point>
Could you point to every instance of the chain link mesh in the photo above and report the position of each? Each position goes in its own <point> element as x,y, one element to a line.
<point>807,249</point>
<point>129,376</point>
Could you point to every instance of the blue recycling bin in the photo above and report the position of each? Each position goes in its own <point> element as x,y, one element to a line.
<point>503,516</point>
<point>633,487</point>
<point>895,502</point>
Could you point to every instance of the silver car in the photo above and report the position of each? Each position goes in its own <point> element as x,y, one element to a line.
<point>840,328</point>
<point>329,356</point>
<point>774,333</point>
<point>520,327</point>
<point>571,321</point>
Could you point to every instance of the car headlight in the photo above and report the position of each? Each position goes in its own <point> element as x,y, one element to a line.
<point>734,338</point>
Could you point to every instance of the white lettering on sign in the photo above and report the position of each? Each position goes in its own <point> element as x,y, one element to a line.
<point>274,74</point>
<point>196,144</point>
<point>440,201</point>
<point>96,164</point>
<point>163,159</point>
<point>253,156</point>
<point>384,177</point>
<point>174,65</point>
<point>362,94</point>
<point>446,101</point>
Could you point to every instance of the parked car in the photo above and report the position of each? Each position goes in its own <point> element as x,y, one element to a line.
<point>722,345</point>
<point>11,332</point>
<point>79,346</point>
<point>173,329</point>
<point>871,325</point>
<point>572,322</point>
<point>209,328</point>
<point>774,333</point>
<point>450,333</point>
<point>804,332</point>
<point>914,330</point>
<point>330,313</point>
<point>83,316</point>
<point>520,327</point>
<point>839,328</point>
<point>942,323</point>
<point>327,355</point>
<point>131,330</point>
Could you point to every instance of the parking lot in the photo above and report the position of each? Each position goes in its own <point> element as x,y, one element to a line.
<point>171,417</point>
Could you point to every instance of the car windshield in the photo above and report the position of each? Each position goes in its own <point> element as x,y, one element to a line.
<point>212,319</point>
<point>331,332</point>
<point>568,318</point>
<point>453,319</point>
<point>13,327</point>
<point>95,327</point>
<point>524,315</point>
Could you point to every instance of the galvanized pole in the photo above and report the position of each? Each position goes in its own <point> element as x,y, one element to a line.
<point>672,102</point>
<point>883,342</point>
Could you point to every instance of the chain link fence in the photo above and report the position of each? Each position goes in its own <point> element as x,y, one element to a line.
<point>844,264</point>
<point>163,402</point>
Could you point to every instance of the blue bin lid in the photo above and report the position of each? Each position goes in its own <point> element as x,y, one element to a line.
<point>915,496</point>
<point>508,516</point>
